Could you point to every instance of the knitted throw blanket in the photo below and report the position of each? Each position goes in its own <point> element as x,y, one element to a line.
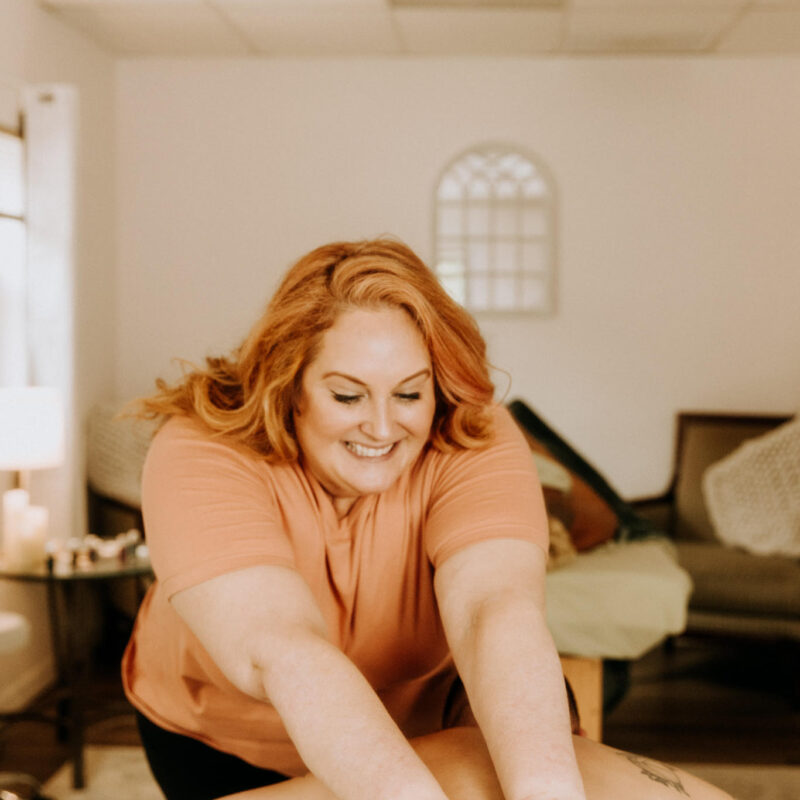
<point>753,495</point>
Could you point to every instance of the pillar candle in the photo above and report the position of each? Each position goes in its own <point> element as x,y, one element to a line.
<point>26,550</point>
<point>15,501</point>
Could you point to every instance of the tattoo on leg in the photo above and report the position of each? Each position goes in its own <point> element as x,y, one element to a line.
<point>658,772</point>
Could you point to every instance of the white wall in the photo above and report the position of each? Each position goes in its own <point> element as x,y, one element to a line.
<point>679,193</point>
<point>35,48</point>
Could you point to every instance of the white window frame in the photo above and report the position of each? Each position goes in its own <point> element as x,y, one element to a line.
<point>494,231</point>
<point>13,292</point>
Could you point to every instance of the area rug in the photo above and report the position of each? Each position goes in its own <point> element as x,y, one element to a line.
<point>751,781</point>
<point>112,773</point>
<point>122,773</point>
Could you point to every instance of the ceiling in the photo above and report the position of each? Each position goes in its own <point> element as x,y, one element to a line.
<point>307,28</point>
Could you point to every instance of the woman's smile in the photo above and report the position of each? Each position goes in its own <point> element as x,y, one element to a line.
<point>365,451</point>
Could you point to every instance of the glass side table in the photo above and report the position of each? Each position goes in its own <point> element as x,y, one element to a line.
<point>69,594</point>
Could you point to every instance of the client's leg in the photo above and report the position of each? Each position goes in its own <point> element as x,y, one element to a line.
<point>610,774</point>
<point>459,760</point>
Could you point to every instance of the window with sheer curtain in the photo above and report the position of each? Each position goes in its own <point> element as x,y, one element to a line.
<point>12,259</point>
<point>495,231</point>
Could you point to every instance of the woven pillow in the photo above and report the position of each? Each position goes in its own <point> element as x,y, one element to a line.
<point>753,494</point>
<point>116,450</point>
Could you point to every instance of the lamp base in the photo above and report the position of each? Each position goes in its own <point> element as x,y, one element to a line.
<point>22,479</point>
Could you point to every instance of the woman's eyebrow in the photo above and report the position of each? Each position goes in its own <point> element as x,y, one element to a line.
<point>422,373</point>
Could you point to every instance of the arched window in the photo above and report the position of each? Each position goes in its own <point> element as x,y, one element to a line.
<point>495,231</point>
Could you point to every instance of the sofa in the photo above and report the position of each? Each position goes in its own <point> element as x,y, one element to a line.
<point>737,592</point>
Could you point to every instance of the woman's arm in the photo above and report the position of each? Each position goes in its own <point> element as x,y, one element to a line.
<point>264,630</point>
<point>491,598</point>
<point>459,760</point>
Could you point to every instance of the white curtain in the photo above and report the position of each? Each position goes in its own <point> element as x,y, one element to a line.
<point>51,141</point>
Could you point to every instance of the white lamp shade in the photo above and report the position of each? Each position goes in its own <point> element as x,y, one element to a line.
<point>31,428</point>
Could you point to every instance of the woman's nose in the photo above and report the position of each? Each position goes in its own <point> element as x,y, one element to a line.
<point>378,423</point>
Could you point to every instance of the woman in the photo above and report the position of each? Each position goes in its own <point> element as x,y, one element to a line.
<point>336,515</point>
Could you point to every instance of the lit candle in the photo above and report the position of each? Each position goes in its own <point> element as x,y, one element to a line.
<point>15,501</point>
<point>27,548</point>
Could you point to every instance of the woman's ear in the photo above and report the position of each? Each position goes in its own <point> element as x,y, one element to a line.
<point>297,398</point>
<point>298,403</point>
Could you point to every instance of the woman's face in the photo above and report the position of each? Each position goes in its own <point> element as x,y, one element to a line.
<point>367,403</point>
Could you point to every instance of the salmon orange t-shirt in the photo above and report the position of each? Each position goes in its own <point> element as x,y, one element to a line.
<point>212,507</point>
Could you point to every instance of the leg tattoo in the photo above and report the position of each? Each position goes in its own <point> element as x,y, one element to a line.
<point>658,772</point>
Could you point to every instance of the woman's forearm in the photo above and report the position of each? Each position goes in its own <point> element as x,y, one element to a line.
<point>516,688</point>
<point>457,757</point>
<point>338,724</point>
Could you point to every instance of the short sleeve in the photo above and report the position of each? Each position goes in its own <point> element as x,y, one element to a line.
<point>489,493</point>
<point>208,508</point>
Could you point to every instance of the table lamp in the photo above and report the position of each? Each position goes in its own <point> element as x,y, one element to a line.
<point>31,437</point>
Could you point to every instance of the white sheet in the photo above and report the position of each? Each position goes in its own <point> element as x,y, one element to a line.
<point>617,600</point>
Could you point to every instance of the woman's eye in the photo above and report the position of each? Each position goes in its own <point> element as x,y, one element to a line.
<point>408,396</point>
<point>345,398</point>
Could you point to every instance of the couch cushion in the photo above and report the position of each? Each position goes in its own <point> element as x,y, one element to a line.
<point>753,494</point>
<point>718,623</point>
<point>732,580</point>
<point>704,439</point>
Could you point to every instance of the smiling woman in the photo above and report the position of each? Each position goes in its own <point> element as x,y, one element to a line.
<point>343,528</point>
<point>366,404</point>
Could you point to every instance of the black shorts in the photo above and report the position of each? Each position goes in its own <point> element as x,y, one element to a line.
<point>187,769</point>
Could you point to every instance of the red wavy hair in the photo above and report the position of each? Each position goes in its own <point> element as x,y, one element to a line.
<point>251,395</point>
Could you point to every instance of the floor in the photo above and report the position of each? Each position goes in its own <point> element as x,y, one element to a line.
<point>696,702</point>
<point>711,702</point>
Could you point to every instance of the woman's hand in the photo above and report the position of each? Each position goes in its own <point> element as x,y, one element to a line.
<point>264,631</point>
<point>491,598</point>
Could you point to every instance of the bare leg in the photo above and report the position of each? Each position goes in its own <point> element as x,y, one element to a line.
<point>460,762</point>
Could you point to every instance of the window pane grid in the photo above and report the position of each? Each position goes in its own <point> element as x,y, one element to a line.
<point>494,231</point>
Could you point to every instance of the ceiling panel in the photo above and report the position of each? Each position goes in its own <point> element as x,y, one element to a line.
<point>434,27</point>
<point>316,31</point>
<point>485,5</point>
<point>500,32</point>
<point>683,6</point>
<point>765,31</point>
<point>268,6</point>
<point>176,27</point>
<point>646,31</point>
